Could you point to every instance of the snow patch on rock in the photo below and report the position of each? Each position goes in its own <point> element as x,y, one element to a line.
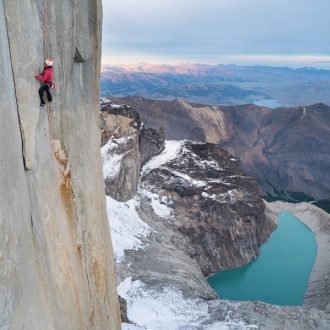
<point>206,195</point>
<point>172,149</point>
<point>111,160</point>
<point>168,309</point>
<point>203,164</point>
<point>219,181</point>
<point>126,227</point>
<point>160,204</point>
<point>190,180</point>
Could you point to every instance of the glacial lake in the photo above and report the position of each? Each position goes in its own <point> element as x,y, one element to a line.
<point>269,103</point>
<point>280,274</point>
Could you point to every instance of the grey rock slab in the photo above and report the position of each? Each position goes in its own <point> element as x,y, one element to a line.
<point>55,245</point>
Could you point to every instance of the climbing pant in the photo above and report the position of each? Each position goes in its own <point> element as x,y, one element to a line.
<point>42,89</point>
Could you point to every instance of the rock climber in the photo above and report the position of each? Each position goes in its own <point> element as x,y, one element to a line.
<point>46,78</point>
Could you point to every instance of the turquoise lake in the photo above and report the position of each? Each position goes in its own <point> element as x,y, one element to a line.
<point>269,103</point>
<point>280,274</point>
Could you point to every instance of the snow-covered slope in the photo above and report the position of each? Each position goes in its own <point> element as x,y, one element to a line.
<point>170,310</point>
<point>127,228</point>
<point>193,212</point>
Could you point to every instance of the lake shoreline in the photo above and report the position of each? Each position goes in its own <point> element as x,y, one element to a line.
<point>318,291</point>
<point>293,247</point>
<point>268,103</point>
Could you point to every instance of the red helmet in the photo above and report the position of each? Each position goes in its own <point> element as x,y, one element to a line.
<point>49,61</point>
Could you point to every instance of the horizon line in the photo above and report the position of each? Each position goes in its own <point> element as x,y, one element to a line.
<point>317,61</point>
<point>284,66</point>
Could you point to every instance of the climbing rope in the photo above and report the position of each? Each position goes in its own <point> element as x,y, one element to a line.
<point>46,40</point>
<point>45,35</point>
<point>45,29</point>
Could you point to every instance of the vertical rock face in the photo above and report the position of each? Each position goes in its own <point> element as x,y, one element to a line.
<point>151,143</point>
<point>57,270</point>
<point>213,203</point>
<point>120,155</point>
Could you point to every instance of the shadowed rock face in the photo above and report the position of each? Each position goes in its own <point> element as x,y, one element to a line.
<point>151,143</point>
<point>173,116</point>
<point>214,205</point>
<point>286,150</point>
<point>126,146</point>
<point>120,110</point>
<point>57,270</point>
<point>120,154</point>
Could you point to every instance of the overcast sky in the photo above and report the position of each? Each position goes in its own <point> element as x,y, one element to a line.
<point>276,32</point>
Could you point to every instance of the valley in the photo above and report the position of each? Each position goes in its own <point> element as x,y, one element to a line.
<point>218,84</point>
<point>190,213</point>
<point>285,150</point>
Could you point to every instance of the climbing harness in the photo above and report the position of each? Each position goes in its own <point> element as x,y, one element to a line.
<point>52,85</point>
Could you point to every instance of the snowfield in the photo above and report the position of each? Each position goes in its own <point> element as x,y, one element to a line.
<point>172,149</point>
<point>169,310</point>
<point>160,204</point>
<point>110,160</point>
<point>126,227</point>
<point>189,180</point>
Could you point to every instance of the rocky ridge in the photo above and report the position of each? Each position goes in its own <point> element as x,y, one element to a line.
<point>125,146</point>
<point>193,209</point>
<point>151,143</point>
<point>285,150</point>
<point>213,204</point>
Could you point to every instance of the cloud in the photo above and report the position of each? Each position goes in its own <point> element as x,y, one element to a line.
<point>210,28</point>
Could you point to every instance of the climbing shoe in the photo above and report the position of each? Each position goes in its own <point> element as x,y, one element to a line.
<point>42,105</point>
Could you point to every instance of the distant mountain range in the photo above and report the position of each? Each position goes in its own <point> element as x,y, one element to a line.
<point>286,150</point>
<point>219,84</point>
